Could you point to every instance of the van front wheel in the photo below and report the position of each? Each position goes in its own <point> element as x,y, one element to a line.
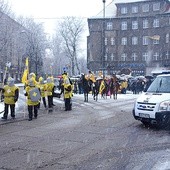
<point>163,120</point>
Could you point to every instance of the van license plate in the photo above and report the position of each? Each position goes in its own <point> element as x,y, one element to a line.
<point>144,115</point>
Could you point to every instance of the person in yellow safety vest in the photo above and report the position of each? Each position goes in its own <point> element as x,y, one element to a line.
<point>124,85</point>
<point>92,77</point>
<point>102,88</point>
<point>67,94</point>
<point>43,88</point>
<point>50,90</point>
<point>10,93</point>
<point>33,98</point>
<point>31,76</point>
<point>52,78</point>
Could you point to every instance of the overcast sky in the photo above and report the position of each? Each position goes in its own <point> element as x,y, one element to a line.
<point>56,9</point>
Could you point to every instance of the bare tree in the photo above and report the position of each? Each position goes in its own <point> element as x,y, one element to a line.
<point>71,29</point>
<point>36,41</point>
<point>4,7</point>
<point>59,54</point>
<point>20,38</point>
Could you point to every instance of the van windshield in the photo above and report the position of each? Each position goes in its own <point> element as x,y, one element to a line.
<point>160,85</point>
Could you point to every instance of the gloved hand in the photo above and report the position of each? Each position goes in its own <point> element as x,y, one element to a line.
<point>15,99</point>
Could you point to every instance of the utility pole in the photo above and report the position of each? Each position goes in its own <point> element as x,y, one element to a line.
<point>103,40</point>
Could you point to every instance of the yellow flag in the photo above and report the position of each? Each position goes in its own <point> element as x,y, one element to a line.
<point>26,62</point>
<point>26,72</point>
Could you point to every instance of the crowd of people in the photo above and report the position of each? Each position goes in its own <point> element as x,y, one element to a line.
<point>35,91</point>
<point>134,84</point>
<point>44,90</point>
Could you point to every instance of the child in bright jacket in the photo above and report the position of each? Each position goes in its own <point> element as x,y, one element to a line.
<point>10,94</point>
<point>67,94</point>
<point>33,98</point>
<point>43,89</point>
<point>50,90</point>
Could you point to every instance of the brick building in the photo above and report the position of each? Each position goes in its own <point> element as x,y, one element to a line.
<point>12,47</point>
<point>130,36</point>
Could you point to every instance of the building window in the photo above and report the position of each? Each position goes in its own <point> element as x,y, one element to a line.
<point>124,41</point>
<point>112,57</point>
<point>145,24</point>
<point>134,25</point>
<point>134,40</point>
<point>155,41</point>
<point>145,40</point>
<point>156,56</point>
<point>112,41</point>
<point>156,23</point>
<point>167,38</point>
<point>156,6</point>
<point>145,8</point>
<point>145,56</point>
<point>109,26</point>
<point>107,50</point>
<point>105,41</point>
<point>134,57</point>
<point>124,25</point>
<point>167,55</point>
<point>124,57</point>
<point>124,10</point>
<point>134,9</point>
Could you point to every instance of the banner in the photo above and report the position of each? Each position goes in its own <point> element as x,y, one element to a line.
<point>26,72</point>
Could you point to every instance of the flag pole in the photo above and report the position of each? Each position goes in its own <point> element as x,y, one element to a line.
<point>25,79</point>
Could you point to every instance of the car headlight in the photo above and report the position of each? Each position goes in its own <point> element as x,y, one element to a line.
<point>164,106</point>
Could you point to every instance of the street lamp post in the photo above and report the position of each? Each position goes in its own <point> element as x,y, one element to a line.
<point>103,40</point>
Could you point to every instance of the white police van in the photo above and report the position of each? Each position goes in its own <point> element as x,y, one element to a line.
<point>153,106</point>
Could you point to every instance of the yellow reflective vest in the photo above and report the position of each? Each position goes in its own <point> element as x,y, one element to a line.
<point>67,91</point>
<point>102,86</point>
<point>50,89</point>
<point>10,94</point>
<point>43,89</point>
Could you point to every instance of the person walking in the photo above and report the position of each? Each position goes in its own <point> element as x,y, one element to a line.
<point>67,92</point>
<point>33,98</point>
<point>50,90</point>
<point>10,94</point>
<point>43,88</point>
<point>102,88</point>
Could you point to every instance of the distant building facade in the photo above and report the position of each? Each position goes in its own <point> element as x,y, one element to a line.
<point>12,47</point>
<point>135,37</point>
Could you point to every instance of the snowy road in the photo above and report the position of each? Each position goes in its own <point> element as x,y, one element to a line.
<point>94,135</point>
